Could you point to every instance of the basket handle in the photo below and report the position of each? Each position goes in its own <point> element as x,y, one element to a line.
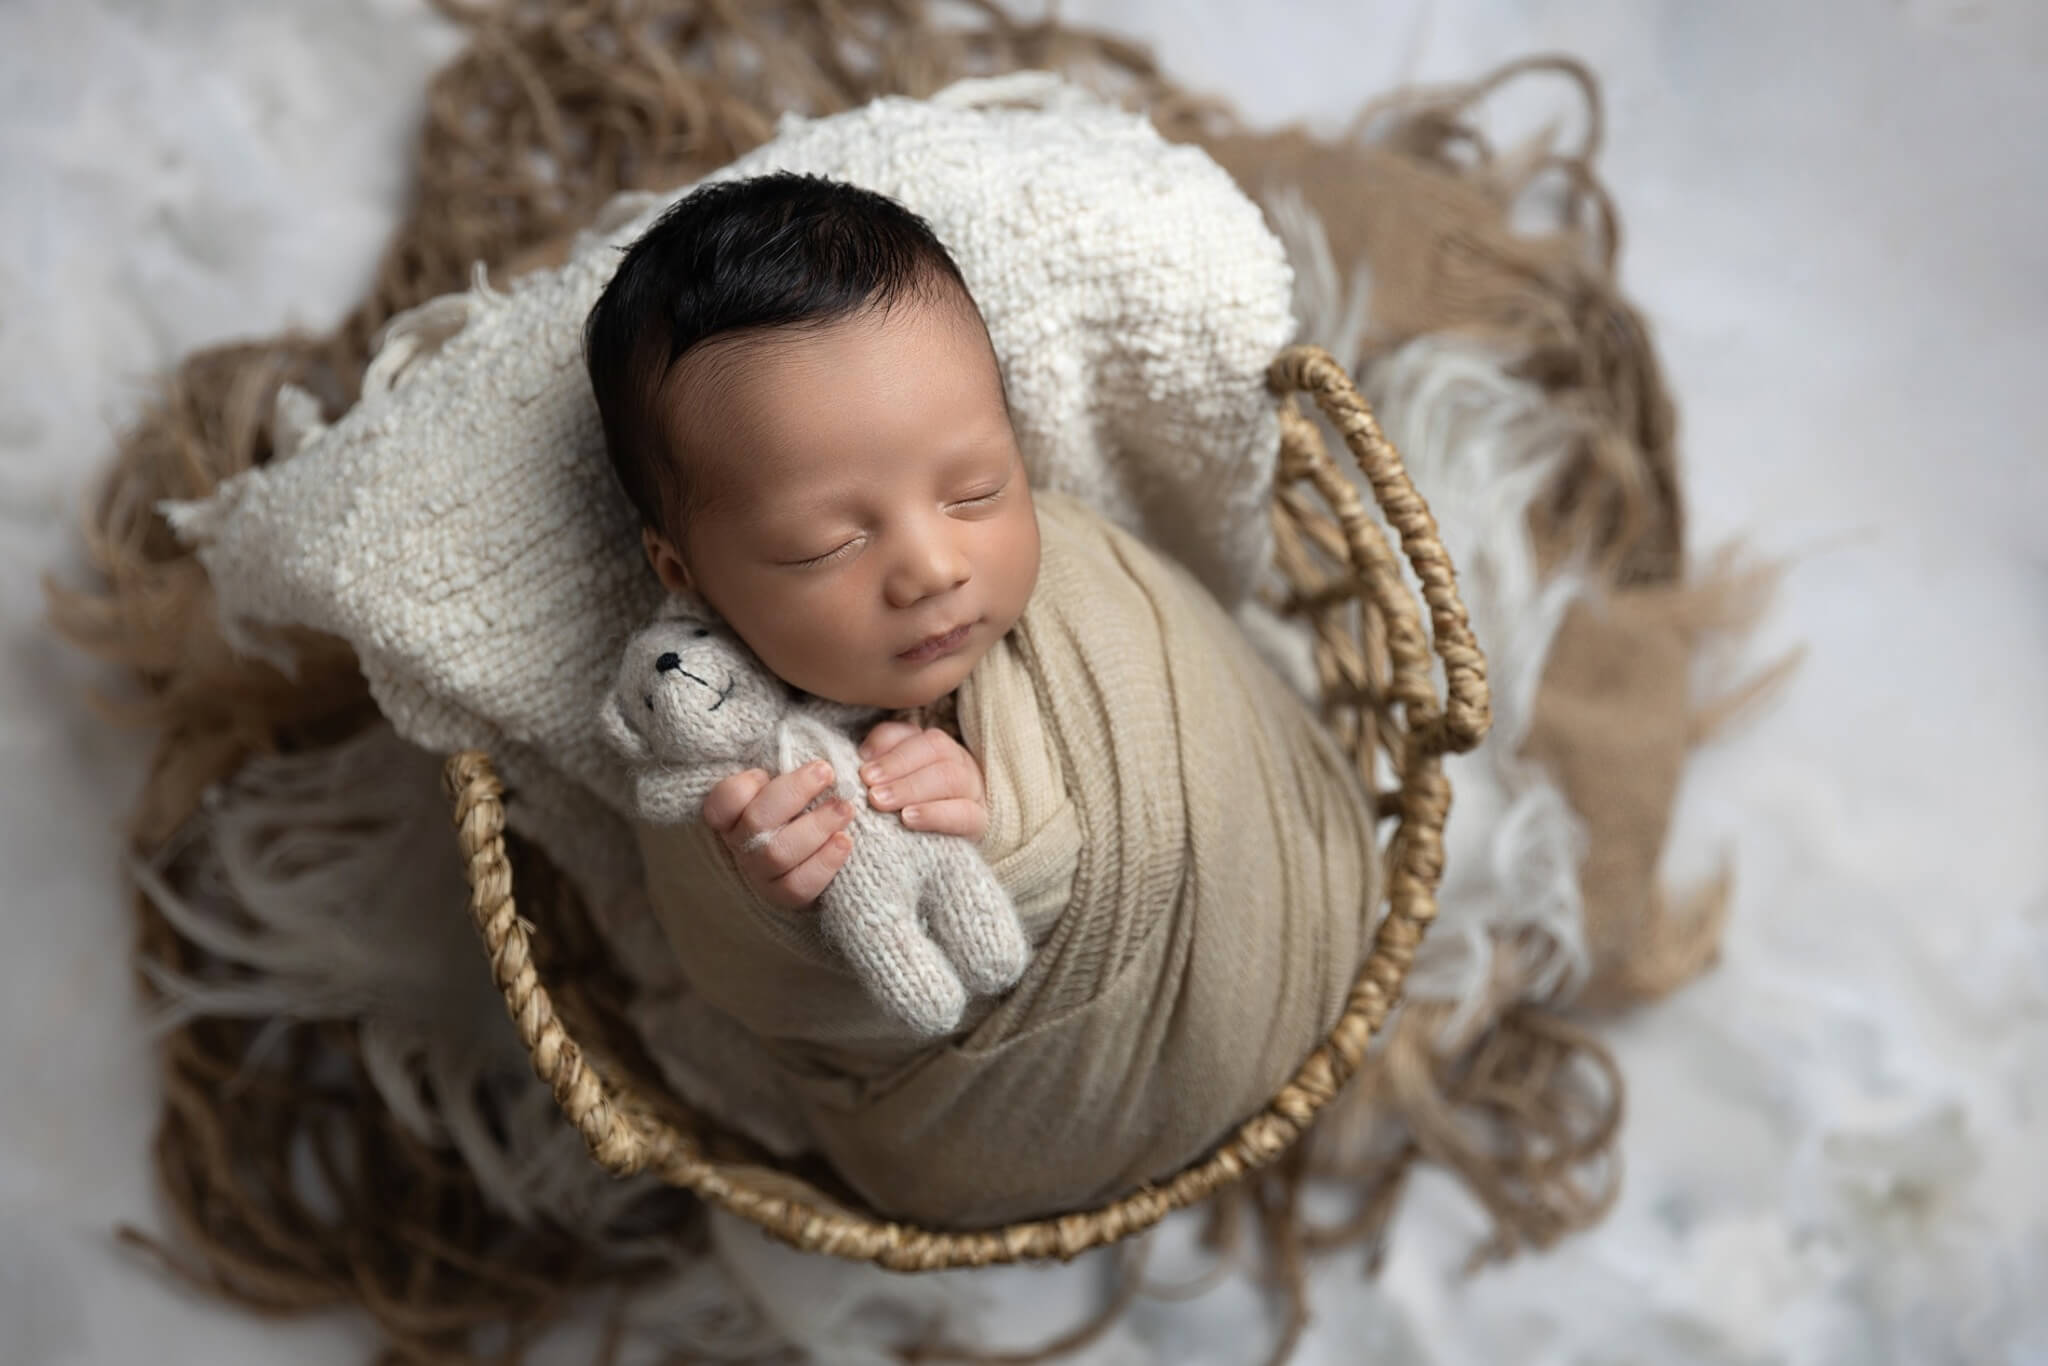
<point>1460,721</point>
<point>616,1138</point>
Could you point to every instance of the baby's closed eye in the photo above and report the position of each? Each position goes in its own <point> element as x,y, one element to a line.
<point>838,552</point>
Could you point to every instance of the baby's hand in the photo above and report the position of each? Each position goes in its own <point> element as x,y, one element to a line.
<point>786,854</point>
<point>928,776</point>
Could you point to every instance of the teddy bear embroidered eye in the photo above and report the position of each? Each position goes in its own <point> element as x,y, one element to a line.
<point>919,917</point>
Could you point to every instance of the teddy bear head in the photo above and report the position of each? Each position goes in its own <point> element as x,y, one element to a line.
<point>690,692</point>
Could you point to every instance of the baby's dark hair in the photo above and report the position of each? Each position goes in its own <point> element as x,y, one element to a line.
<point>768,252</point>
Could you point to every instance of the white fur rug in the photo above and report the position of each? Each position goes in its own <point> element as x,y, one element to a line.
<point>1838,222</point>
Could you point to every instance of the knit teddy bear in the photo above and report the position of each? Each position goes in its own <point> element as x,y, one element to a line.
<point>919,917</point>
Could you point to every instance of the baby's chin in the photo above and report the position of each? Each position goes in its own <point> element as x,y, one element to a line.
<point>909,689</point>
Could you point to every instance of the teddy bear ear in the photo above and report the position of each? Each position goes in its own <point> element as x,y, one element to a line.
<point>611,719</point>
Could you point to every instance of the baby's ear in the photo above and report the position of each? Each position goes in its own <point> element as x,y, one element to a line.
<point>663,560</point>
<point>611,719</point>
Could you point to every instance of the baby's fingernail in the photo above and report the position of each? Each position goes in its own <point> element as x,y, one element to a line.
<point>821,769</point>
<point>880,794</point>
<point>871,774</point>
<point>867,751</point>
<point>913,815</point>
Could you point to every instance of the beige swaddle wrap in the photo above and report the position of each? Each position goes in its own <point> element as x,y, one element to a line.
<point>1195,863</point>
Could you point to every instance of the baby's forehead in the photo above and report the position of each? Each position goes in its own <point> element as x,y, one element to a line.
<point>918,381</point>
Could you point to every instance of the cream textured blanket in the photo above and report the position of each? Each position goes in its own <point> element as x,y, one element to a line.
<point>460,529</point>
<point>1193,859</point>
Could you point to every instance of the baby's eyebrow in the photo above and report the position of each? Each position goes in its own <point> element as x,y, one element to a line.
<point>798,508</point>
<point>966,459</point>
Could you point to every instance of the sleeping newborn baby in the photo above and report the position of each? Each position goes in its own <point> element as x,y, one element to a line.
<point>800,397</point>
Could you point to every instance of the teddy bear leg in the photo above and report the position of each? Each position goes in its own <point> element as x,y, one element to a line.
<point>975,921</point>
<point>902,969</point>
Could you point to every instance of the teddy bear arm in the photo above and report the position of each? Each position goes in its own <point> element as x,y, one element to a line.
<point>674,796</point>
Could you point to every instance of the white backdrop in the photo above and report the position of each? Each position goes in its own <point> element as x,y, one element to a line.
<point>1836,218</point>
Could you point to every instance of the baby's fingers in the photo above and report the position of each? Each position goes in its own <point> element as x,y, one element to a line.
<point>919,750</point>
<point>952,816</point>
<point>723,803</point>
<point>777,802</point>
<point>807,881</point>
<point>885,737</point>
<point>770,858</point>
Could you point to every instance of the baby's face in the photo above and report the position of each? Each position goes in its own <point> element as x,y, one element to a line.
<point>868,496</point>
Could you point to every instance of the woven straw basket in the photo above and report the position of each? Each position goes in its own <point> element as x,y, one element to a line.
<point>1374,659</point>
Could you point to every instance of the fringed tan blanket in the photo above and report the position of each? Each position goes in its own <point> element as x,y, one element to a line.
<point>555,107</point>
<point>1194,859</point>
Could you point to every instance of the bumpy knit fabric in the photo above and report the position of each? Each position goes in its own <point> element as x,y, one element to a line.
<point>919,918</point>
<point>461,529</point>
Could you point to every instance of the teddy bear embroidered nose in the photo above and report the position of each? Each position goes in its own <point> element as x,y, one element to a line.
<point>668,662</point>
